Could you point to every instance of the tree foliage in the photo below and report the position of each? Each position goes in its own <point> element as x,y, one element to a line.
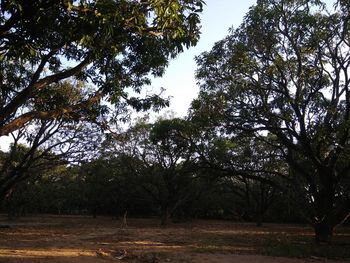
<point>107,45</point>
<point>284,72</point>
<point>161,156</point>
<point>43,146</point>
<point>64,62</point>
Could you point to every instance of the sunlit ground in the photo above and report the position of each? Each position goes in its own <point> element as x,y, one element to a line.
<point>35,253</point>
<point>83,239</point>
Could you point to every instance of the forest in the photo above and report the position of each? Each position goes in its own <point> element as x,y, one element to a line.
<point>267,140</point>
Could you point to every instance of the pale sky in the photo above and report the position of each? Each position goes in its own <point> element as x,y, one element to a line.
<point>218,16</point>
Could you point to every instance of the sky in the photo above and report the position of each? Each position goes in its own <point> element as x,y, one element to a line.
<point>179,80</point>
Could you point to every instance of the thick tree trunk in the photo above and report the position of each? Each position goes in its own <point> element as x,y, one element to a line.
<point>323,232</point>
<point>259,215</point>
<point>325,218</point>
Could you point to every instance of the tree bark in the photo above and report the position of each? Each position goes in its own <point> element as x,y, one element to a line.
<point>325,214</point>
<point>259,220</point>
<point>124,223</point>
<point>165,217</point>
<point>323,232</point>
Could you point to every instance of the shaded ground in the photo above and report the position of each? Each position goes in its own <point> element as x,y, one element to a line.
<point>83,239</point>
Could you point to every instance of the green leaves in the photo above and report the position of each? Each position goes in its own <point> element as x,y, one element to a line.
<point>112,45</point>
<point>284,73</point>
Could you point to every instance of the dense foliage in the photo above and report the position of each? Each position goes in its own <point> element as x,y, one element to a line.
<point>63,63</point>
<point>284,73</point>
<point>112,45</point>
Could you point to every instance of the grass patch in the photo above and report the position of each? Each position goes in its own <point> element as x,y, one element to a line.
<point>309,250</point>
<point>207,249</point>
<point>206,243</point>
<point>305,247</point>
<point>274,242</point>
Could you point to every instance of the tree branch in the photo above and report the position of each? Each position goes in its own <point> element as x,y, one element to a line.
<point>46,115</point>
<point>28,92</point>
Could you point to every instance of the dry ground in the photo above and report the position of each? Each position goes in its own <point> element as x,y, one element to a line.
<point>78,239</point>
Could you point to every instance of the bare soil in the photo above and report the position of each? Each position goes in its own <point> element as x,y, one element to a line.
<point>78,239</point>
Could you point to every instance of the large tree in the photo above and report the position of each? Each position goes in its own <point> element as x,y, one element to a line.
<point>160,155</point>
<point>109,44</point>
<point>49,142</point>
<point>63,62</point>
<point>43,146</point>
<point>285,71</point>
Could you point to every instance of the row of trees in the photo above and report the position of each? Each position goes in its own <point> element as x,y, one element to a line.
<point>167,169</point>
<point>272,115</point>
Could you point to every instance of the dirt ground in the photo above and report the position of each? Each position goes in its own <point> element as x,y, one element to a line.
<point>77,239</point>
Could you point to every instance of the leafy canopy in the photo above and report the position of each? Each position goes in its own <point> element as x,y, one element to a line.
<point>100,47</point>
<point>285,73</point>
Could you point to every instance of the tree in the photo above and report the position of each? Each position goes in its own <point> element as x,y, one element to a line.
<point>284,71</point>
<point>44,145</point>
<point>62,60</point>
<point>244,166</point>
<point>160,156</point>
<point>112,45</point>
<point>173,162</point>
<point>45,190</point>
<point>249,167</point>
<point>48,142</point>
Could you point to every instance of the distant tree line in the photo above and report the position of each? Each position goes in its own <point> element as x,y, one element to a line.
<point>170,169</point>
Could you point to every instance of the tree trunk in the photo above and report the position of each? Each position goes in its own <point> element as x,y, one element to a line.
<point>323,232</point>
<point>124,223</point>
<point>325,219</point>
<point>259,220</point>
<point>165,217</point>
<point>259,212</point>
